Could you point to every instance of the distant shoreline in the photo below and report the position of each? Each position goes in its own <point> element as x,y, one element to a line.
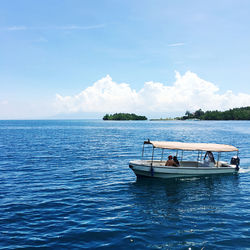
<point>172,119</point>
<point>162,119</point>
<point>240,114</point>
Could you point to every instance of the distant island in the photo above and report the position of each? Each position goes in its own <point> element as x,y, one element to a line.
<point>242,113</point>
<point>124,117</point>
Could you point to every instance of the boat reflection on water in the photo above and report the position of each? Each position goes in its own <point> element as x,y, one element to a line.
<point>191,186</point>
<point>186,212</point>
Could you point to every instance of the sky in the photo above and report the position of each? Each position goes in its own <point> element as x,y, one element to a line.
<point>86,58</point>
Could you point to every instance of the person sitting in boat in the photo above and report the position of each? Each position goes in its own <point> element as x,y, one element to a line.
<point>176,161</point>
<point>210,157</point>
<point>170,162</point>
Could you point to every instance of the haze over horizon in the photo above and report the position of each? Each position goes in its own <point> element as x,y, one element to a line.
<point>75,58</point>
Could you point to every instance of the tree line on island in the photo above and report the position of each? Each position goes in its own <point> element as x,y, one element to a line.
<point>242,113</point>
<point>124,117</point>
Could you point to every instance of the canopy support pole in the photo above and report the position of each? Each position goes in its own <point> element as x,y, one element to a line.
<point>151,168</point>
<point>198,156</point>
<point>218,158</point>
<point>162,154</point>
<point>142,154</point>
<point>152,158</point>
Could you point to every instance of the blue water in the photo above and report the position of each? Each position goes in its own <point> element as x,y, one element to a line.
<point>67,185</point>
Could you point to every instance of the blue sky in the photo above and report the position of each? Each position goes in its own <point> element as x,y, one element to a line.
<point>50,47</point>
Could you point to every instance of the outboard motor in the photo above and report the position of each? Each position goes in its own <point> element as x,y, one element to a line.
<point>235,161</point>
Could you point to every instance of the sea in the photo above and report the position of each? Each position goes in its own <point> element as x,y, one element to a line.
<point>66,184</point>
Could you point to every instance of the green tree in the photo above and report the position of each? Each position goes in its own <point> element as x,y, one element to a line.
<point>124,116</point>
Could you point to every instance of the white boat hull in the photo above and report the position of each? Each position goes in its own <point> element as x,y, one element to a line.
<point>187,169</point>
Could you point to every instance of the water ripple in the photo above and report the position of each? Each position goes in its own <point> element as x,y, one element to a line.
<point>66,184</point>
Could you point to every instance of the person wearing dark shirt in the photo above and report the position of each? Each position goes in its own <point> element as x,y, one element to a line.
<point>210,156</point>
<point>176,161</point>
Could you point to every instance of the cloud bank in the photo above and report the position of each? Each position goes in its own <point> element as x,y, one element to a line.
<point>188,92</point>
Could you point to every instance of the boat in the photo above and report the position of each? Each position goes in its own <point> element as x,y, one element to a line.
<point>196,164</point>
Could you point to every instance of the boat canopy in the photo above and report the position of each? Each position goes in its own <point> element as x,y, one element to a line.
<point>192,146</point>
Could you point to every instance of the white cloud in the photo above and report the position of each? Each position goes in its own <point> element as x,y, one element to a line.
<point>103,95</point>
<point>41,40</point>
<point>77,27</point>
<point>66,27</point>
<point>189,92</point>
<point>15,28</point>
<point>4,102</point>
<point>176,44</point>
